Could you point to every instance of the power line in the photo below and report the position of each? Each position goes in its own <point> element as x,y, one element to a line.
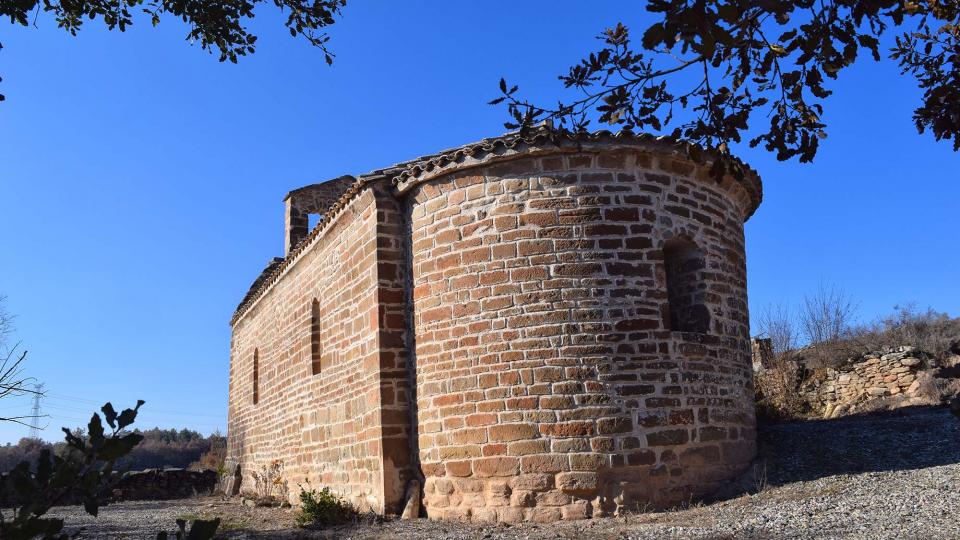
<point>35,412</point>
<point>63,397</point>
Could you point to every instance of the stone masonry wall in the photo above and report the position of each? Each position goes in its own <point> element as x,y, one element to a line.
<point>549,382</point>
<point>348,425</point>
<point>878,375</point>
<point>313,199</point>
<point>539,326</point>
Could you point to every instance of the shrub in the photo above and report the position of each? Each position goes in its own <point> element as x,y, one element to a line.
<point>269,485</point>
<point>211,461</point>
<point>778,390</point>
<point>930,331</point>
<point>320,508</point>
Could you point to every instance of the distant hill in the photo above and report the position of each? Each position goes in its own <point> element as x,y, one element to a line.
<point>161,448</point>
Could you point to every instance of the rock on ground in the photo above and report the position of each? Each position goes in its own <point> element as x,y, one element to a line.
<point>883,476</point>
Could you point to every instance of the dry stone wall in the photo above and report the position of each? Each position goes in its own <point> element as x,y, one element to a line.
<point>893,373</point>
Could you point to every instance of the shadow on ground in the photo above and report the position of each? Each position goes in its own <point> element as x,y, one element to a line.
<point>792,455</point>
<point>902,439</point>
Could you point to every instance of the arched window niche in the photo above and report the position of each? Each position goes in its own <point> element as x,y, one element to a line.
<point>684,265</point>
<point>315,365</point>
<point>256,376</point>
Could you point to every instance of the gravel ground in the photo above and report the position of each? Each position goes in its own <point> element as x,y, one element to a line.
<point>889,475</point>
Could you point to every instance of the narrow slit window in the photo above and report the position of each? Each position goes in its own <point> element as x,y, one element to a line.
<point>315,337</point>
<point>256,376</point>
<point>685,265</point>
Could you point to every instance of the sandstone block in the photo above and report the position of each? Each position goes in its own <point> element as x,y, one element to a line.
<point>550,463</point>
<point>668,437</point>
<point>459,468</point>
<point>552,498</point>
<point>496,466</point>
<point>577,482</point>
<point>512,432</point>
<point>523,499</point>
<point>468,485</point>
<point>576,510</point>
<point>485,515</point>
<point>532,482</point>
<point>545,515</point>
<point>589,462</point>
<point>510,514</point>
<point>443,486</point>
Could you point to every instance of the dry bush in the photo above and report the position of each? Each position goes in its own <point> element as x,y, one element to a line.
<point>778,395</point>
<point>269,485</point>
<point>929,331</point>
<point>792,374</point>
<point>826,318</point>
<point>777,385</point>
<point>211,460</point>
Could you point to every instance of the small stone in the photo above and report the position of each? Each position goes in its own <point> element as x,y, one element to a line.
<point>412,509</point>
<point>828,411</point>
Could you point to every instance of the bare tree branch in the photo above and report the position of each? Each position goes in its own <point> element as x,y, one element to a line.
<point>826,319</point>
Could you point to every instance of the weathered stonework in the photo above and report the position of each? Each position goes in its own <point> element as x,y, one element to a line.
<point>539,327</point>
<point>895,372</point>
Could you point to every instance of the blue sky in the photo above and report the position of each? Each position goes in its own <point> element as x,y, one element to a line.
<point>142,180</point>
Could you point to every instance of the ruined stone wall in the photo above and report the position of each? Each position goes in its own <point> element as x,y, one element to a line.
<point>314,199</point>
<point>346,426</point>
<point>893,373</point>
<point>549,381</point>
